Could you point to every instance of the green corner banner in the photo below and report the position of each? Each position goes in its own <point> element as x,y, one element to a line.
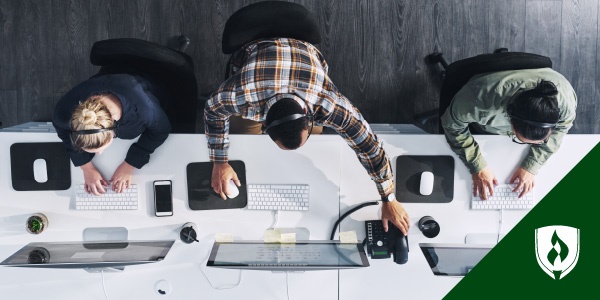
<point>511,269</point>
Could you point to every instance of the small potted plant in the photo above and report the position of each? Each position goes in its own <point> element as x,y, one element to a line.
<point>37,223</point>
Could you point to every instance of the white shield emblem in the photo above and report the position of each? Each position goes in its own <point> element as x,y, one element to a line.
<point>557,249</point>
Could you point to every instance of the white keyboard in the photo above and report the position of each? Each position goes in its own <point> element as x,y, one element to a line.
<point>111,200</point>
<point>278,196</point>
<point>504,198</point>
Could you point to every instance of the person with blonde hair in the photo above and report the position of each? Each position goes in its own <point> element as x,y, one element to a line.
<point>95,112</point>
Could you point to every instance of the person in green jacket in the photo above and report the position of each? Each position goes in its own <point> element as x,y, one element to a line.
<point>533,106</point>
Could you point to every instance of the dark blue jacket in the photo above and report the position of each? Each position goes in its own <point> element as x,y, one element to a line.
<point>142,115</point>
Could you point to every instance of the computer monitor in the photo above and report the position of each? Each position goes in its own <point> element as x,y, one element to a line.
<point>453,259</point>
<point>88,255</point>
<point>300,256</point>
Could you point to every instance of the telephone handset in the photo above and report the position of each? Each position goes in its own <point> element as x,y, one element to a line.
<point>381,244</point>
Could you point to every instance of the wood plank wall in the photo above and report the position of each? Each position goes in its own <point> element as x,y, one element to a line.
<point>376,49</point>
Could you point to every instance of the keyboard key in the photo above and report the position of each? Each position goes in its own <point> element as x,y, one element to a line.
<point>278,197</point>
<point>111,200</point>
<point>504,198</point>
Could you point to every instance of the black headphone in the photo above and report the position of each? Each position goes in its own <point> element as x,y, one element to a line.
<point>286,119</point>
<point>115,129</point>
<point>510,111</point>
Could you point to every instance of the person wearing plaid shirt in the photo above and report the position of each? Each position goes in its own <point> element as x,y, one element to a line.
<point>283,84</point>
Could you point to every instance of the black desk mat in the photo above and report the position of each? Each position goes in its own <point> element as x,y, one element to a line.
<point>201,195</point>
<point>58,166</point>
<point>408,178</point>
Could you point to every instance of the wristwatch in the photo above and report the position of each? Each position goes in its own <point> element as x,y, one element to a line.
<point>389,198</point>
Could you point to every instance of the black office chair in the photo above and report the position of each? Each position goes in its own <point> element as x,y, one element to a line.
<point>262,20</point>
<point>457,74</point>
<point>268,19</point>
<point>170,69</point>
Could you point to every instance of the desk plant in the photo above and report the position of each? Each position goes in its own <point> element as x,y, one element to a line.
<point>37,223</point>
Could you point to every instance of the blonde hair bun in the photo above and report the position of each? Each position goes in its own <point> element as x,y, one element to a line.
<point>88,117</point>
<point>91,114</point>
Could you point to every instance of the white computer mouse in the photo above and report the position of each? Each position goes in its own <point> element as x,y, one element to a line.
<point>233,189</point>
<point>426,183</point>
<point>40,172</point>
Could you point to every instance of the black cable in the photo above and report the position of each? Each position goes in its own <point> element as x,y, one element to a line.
<point>337,223</point>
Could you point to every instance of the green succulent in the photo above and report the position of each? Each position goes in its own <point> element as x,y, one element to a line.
<point>35,224</point>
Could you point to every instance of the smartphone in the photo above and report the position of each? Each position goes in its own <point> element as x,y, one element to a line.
<point>163,198</point>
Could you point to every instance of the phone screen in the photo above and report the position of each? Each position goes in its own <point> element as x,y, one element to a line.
<point>162,193</point>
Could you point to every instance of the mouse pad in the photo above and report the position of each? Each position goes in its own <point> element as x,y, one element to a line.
<point>58,166</point>
<point>408,178</point>
<point>201,195</point>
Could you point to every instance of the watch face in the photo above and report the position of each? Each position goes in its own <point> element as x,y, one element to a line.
<point>391,197</point>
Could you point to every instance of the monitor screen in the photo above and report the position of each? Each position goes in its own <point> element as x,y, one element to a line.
<point>88,254</point>
<point>301,256</point>
<point>453,259</point>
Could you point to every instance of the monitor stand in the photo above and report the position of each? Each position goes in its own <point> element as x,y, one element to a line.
<point>483,238</point>
<point>105,270</point>
<point>105,234</point>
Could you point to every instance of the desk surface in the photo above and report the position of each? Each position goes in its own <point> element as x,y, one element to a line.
<point>337,181</point>
<point>415,279</point>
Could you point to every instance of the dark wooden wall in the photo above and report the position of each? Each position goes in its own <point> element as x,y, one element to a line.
<point>375,48</point>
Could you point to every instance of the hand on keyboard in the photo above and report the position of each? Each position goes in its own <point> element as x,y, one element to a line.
<point>122,177</point>
<point>525,181</point>
<point>110,200</point>
<point>504,198</point>
<point>94,182</point>
<point>483,183</point>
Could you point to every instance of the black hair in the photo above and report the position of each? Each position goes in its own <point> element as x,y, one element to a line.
<point>538,105</point>
<point>289,134</point>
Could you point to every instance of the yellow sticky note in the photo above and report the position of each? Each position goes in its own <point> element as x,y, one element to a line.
<point>224,238</point>
<point>272,236</point>
<point>348,237</point>
<point>289,238</point>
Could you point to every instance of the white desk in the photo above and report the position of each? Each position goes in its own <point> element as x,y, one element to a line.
<point>334,187</point>
<point>317,164</point>
<point>414,280</point>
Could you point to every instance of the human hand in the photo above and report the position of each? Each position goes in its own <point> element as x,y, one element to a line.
<point>221,175</point>
<point>483,182</point>
<point>526,181</point>
<point>94,182</point>
<point>121,179</point>
<point>395,213</point>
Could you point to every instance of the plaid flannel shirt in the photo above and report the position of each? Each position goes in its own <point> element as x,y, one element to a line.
<point>266,71</point>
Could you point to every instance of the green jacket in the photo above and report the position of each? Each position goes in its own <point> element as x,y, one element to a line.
<point>483,100</point>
